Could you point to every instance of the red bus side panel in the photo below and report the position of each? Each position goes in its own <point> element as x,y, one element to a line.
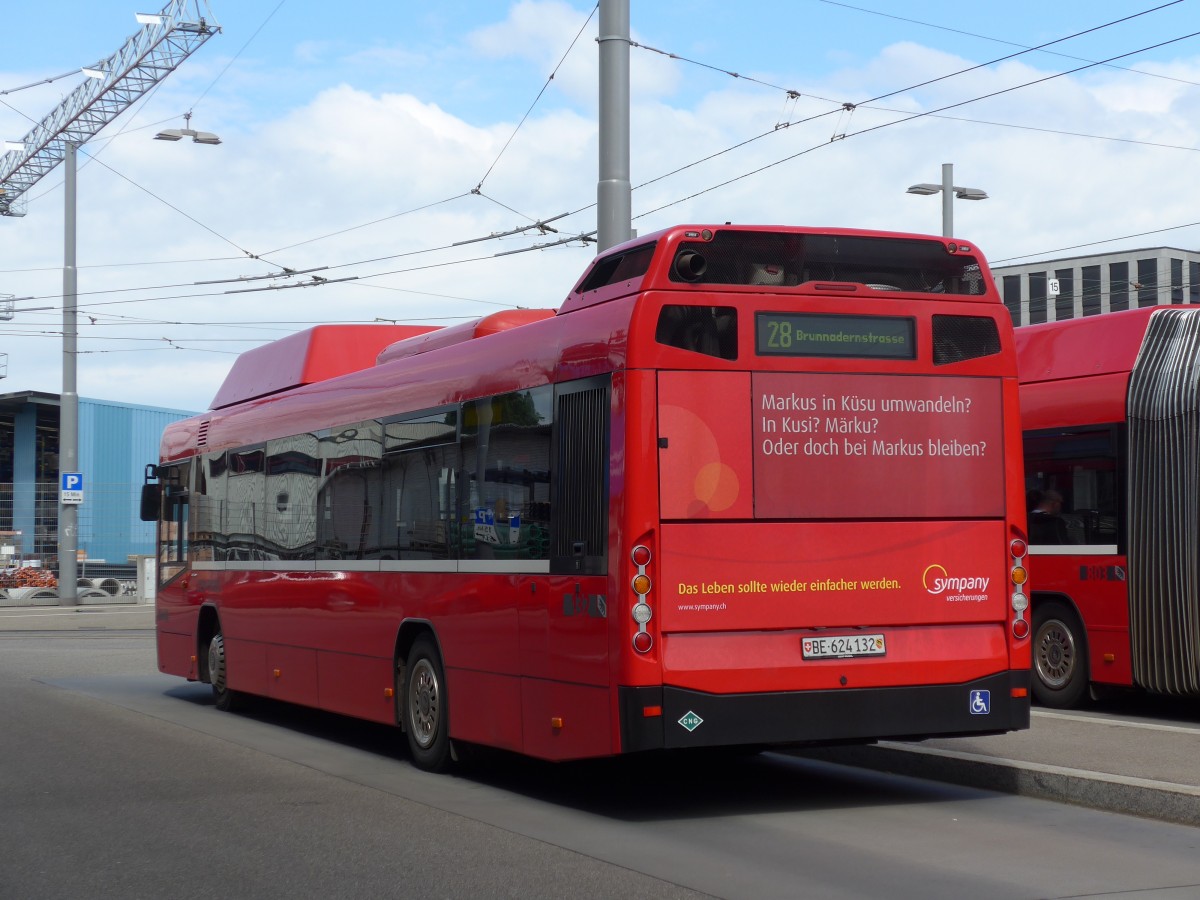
<point>704,418</point>
<point>1097,587</point>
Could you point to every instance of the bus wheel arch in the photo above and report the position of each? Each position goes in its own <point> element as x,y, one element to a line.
<point>421,697</point>
<point>1060,653</point>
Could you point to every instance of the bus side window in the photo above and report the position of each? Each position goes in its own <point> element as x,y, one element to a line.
<point>173,526</point>
<point>1073,485</point>
<point>505,480</point>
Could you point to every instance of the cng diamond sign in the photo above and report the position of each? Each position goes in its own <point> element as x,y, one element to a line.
<point>71,488</point>
<point>691,721</point>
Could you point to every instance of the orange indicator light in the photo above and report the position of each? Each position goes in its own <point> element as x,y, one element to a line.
<point>389,693</point>
<point>650,712</point>
<point>1020,692</point>
<point>556,722</point>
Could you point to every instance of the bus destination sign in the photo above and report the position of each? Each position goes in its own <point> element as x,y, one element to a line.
<point>809,334</point>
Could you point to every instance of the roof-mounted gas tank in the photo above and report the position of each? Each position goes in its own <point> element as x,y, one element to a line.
<point>306,357</point>
<point>467,331</point>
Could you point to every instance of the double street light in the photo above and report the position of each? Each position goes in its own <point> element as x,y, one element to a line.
<point>949,191</point>
<point>177,134</point>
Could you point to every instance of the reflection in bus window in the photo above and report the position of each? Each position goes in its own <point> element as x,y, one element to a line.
<point>506,476</point>
<point>347,501</point>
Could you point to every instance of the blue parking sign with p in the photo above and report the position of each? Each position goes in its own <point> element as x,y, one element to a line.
<point>71,487</point>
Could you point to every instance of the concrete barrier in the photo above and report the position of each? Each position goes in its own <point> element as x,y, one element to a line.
<point>29,596</point>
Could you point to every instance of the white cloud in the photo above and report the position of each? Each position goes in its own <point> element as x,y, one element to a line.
<point>358,149</point>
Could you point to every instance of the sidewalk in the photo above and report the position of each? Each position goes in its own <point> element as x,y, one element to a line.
<point>91,617</point>
<point>1140,768</point>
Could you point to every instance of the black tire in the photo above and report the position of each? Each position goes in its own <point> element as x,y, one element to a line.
<point>426,722</point>
<point>1060,657</point>
<point>223,697</point>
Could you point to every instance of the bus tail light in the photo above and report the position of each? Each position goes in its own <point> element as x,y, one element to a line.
<point>642,612</point>
<point>1019,575</point>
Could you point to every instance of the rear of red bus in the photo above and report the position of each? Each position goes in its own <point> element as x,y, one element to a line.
<point>820,505</point>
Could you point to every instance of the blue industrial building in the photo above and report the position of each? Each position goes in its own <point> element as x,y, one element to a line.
<point>116,441</point>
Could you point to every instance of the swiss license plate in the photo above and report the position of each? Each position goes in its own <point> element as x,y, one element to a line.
<point>843,646</point>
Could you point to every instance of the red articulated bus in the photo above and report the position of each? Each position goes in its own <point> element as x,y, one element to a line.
<point>748,486</point>
<point>1112,455</point>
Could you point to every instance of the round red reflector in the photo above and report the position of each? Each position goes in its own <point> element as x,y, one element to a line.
<point>642,642</point>
<point>1018,549</point>
<point>640,555</point>
<point>1020,629</point>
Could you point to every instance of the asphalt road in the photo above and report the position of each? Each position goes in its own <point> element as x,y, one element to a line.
<point>116,781</point>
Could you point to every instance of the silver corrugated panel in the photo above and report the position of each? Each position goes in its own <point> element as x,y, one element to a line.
<point>1164,504</point>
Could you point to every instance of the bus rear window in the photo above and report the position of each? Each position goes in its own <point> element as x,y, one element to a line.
<point>711,330</point>
<point>782,260</point>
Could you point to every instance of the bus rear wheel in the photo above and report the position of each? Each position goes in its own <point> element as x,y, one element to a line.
<point>1060,666</point>
<point>225,699</point>
<point>425,710</point>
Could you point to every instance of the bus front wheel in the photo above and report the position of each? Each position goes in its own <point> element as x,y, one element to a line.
<point>1060,666</point>
<point>224,698</point>
<point>425,719</point>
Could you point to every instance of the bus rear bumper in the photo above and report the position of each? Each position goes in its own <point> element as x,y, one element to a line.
<point>695,719</point>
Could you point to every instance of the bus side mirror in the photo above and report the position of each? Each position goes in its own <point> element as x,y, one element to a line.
<point>151,501</point>
<point>151,495</point>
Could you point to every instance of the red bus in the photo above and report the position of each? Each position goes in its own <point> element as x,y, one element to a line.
<point>1112,418</point>
<point>747,486</point>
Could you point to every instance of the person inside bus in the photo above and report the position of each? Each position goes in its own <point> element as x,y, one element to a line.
<point>1046,525</point>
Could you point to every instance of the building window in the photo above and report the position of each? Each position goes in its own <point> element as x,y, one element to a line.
<point>1193,282</point>
<point>1177,281</point>
<point>1064,303</point>
<point>1012,296</point>
<point>1037,297</point>
<point>1118,286</point>
<point>1147,286</point>
<point>1091,290</point>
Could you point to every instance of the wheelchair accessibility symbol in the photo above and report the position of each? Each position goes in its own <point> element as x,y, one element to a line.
<point>981,703</point>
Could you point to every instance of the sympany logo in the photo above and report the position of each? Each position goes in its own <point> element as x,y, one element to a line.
<point>938,581</point>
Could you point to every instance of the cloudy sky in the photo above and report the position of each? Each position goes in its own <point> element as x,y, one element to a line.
<point>366,139</point>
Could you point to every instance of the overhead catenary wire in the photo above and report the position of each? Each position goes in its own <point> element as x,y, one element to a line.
<point>661,177</point>
<point>984,37</point>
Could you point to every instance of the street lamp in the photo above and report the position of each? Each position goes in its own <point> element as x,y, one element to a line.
<point>176,134</point>
<point>949,190</point>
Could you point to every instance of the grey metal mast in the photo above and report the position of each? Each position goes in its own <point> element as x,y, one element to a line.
<point>614,214</point>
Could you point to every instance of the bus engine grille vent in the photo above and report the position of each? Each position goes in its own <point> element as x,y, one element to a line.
<point>957,338</point>
<point>579,493</point>
<point>1164,514</point>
